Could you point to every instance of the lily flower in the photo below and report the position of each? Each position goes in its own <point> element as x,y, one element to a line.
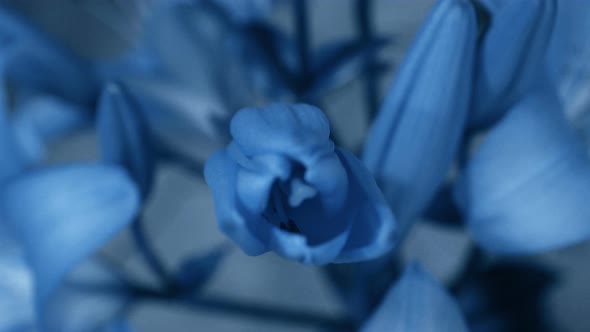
<point>282,186</point>
<point>513,51</point>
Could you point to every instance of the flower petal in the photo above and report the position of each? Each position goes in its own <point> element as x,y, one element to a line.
<point>417,303</point>
<point>300,132</point>
<point>16,286</point>
<point>373,227</point>
<point>123,137</point>
<point>63,214</point>
<point>526,188</point>
<point>512,56</point>
<point>418,129</point>
<point>221,176</point>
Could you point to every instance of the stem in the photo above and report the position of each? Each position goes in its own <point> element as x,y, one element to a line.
<point>472,264</point>
<point>363,18</point>
<point>151,259</point>
<point>302,34</point>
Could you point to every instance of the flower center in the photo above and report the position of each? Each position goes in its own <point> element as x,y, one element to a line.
<point>286,196</point>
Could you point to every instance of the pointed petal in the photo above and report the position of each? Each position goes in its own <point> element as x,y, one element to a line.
<point>123,138</point>
<point>417,303</point>
<point>417,132</point>
<point>373,231</point>
<point>62,215</point>
<point>512,57</point>
<point>525,190</point>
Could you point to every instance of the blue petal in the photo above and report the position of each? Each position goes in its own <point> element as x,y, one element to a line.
<point>40,121</point>
<point>301,133</point>
<point>63,214</point>
<point>221,175</point>
<point>35,63</point>
<point>416,134</point>
<point>571,49</point>
<point>417,303</point>
<point>16,286</point>
<point>512,56</point>
<point>526,188</point>
<point>123,137</point>
<point>373,226</point>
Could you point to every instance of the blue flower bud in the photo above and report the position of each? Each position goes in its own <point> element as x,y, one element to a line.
<point>415,136</point>
<point>512,57</point>
<point>281,185</point>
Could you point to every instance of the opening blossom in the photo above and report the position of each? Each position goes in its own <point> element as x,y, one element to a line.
<point>281,185</point>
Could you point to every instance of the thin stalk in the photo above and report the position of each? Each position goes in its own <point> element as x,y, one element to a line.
<point>365,28</point>
<point>303,45</point>
<point>148,253</point>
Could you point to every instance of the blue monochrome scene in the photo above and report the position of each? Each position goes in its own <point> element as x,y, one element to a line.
<point>295,165</point>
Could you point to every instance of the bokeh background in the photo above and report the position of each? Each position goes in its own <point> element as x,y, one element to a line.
<point>180,214</point>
